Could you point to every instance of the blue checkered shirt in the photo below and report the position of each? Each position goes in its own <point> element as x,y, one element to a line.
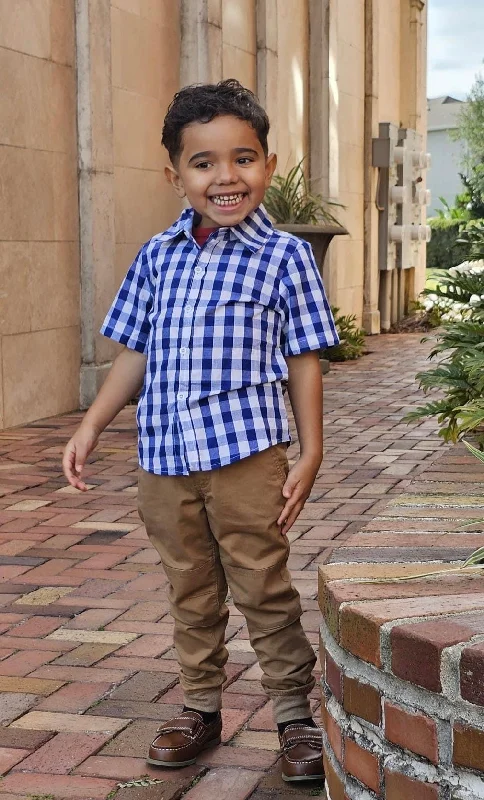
<point>216,323</point>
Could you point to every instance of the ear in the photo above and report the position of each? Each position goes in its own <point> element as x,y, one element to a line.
<point>271,163</point>
<point>173,177</point>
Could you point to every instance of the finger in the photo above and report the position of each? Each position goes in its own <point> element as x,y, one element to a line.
<point>72,471</point>
<point>289,486</point>
<point>68,461</point>
<point>291,519</point>
<point>297,496</point>
<point>285,512</point>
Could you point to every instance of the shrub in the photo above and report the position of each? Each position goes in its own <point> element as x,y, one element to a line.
<point>458,294</point>
<point>460,376</point>
<point>352,338</point>
<point>290,201</point>
<point>444,250</point>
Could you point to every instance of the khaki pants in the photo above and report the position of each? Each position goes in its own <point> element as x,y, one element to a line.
<point>219,528</point>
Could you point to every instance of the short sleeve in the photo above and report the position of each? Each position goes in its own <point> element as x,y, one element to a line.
<point>127,320</point>
<point>309,323</point>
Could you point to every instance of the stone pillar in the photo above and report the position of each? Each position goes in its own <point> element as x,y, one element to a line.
<point>413,65</point>
<point>201,41</point>
<point>413,88</point>
<point>266,26</point>
<point>319,95</point>
<point>323,116</point>
<point>371,276</point>
<point>96,188</point>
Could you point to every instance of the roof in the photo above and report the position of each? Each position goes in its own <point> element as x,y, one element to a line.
<point>443,113</point>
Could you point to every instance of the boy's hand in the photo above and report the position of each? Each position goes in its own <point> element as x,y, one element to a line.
<point>297,489</point>
<point>77,450</point>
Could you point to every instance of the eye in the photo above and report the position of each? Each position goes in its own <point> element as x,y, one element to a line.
<point>202,165</point>
<point>245,160</point>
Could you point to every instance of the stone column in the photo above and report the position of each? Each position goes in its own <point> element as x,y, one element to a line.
<point>266,23</point>
<point>201,41</point>
<point>96,188</point>
<point>323,117</point>
<point>319,95</point>
<point>371,276</point>
<point>413,88</point>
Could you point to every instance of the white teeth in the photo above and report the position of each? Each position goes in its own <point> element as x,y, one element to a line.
<point>227,199</point>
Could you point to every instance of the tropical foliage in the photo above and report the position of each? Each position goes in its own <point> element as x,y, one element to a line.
<point>289,200</point>
<point>459,376</point>
<point>471,123</point>
<point>352,338</point>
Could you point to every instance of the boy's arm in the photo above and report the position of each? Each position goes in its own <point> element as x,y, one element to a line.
<point>305,387</point>
<point>123,381</point>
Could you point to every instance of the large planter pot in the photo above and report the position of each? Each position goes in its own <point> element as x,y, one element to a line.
<point>318,236</point>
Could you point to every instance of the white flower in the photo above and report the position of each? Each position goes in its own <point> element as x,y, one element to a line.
<point>474,300</point>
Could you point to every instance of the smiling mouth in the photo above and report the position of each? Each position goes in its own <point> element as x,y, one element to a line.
<point>227,200</point>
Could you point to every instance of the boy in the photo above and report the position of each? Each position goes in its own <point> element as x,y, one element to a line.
<point>214,313</point>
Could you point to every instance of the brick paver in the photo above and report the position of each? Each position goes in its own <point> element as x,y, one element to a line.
<point>86,664</point>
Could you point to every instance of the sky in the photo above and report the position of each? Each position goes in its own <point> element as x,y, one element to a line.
<point>455,46</point>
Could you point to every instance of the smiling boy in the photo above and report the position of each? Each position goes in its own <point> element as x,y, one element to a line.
<point>214,314</point>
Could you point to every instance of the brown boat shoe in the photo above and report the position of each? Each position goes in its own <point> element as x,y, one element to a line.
<point>180,740</point>
<point>302,753</point>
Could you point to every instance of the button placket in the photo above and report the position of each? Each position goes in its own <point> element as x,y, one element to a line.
<point>187,327</point>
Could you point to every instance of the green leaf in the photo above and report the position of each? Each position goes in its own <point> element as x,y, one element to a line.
<point>475,452</point>
<point>289,200</point>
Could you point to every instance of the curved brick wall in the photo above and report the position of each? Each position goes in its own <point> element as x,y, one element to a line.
<point>403,664</point>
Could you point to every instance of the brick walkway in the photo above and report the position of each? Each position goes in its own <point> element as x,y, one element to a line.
<point>87,671</point>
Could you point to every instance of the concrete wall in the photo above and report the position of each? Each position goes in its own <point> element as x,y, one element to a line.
<point>74,210</point>
<point>376,73</point>
<point>144,203</point>
<point>39,262</point>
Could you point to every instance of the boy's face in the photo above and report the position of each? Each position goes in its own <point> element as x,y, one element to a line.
<point>222,170</point>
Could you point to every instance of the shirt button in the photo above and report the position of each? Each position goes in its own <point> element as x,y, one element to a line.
<point>183,351</point>
<point>189,307</point>
<point>181,395</point>
<point>198,271</point>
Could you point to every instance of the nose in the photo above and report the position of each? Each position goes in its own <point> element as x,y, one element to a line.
<point>226,173</point>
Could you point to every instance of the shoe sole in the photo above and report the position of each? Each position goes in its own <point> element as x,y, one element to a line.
<point>177,764</point>
<point>300,778</point>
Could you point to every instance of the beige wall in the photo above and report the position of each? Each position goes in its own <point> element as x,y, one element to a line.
<point>62,259</point>
<point>39,265</point>
<point>239,46</point>
<point>143,33</point>
<point>376,73</point>
<point>290,122</point>
<point>348,109</point>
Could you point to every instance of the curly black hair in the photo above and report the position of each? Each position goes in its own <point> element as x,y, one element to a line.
<point>203,102</point>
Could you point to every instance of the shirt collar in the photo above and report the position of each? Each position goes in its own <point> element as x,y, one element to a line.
<point>253,231</point>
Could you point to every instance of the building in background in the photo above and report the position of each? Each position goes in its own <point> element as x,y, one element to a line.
<point>86,84</point>
<point>443,178</point>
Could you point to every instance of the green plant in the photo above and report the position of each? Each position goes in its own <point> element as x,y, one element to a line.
<point>352,338</point>
<point>460,376</point>
<point>289,200</point>
<point>444,249</point>
<point>471,123</point>
<point>41,797</point>
<point>473,238</point>
<point>458,293</point>
<point>455,212</point>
